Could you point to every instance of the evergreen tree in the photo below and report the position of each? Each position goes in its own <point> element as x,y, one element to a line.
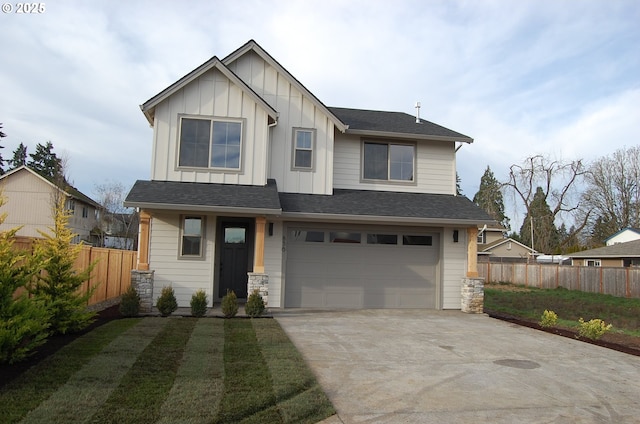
<point>45,162</point>
<point>545,235</point>
<point>489,198</point>
<point>58,286</point>
<point>2,135</point>
<point>19,157</point>
<point>458,188</point>
<point>602,229</point>
<point>23,321</point>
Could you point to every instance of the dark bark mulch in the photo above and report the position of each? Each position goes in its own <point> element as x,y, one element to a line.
<point>53,344</point>
<point>620,342</point>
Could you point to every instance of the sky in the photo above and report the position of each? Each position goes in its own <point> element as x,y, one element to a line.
<point>526,77</point>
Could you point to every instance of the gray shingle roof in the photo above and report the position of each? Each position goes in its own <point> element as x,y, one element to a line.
<point>352,204</point>
<point>630,249</point>
<point>385,204</point>
<point>191,196</point>
<point>393,122</point>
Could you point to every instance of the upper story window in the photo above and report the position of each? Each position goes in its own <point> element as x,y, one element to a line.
<point>210,143</point>
<point>85,212</point>
<point>303,143</point>
<point>388,161</point>
<point>482,237</point>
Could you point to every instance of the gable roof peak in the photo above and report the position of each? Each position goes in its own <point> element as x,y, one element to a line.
<point>148,107</point>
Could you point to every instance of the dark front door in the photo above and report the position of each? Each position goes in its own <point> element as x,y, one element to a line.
<point>234,258</point>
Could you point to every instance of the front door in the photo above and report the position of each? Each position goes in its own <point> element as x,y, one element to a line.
<point>235,240</point>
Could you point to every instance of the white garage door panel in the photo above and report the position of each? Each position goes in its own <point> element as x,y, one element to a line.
<point>334,275</point>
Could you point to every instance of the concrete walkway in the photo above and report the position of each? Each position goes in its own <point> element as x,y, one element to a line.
<point>414,366</point>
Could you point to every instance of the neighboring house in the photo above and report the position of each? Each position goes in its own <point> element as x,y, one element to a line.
<point>618,255</point>
<point>505,250</point>
<point>117,230</point>
<point>31,200</point>
<point>253,177</point>
<point>490,234</point>
<point>623,236</point>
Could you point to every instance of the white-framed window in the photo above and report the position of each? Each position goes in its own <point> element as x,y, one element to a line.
<point>85,212</point>
<point>592,262</point>
<point>388,161</point>
<point>191,236</point>
<point>303,146</point>
<point>210,143</point>
<point>482,237</point>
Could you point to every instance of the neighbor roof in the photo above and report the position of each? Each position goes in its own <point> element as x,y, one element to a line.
<point>633,230</point>
<point>381,123</point>
<point>630,249</point>
<point>378,205</point>
<point>204,197</point>
<point>68,189</point>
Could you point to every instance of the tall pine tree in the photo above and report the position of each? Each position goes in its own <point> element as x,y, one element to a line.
<point>2,135</point>
<point>489,198</point>
<point>45,162</point>
<point>546,238</point>
<point>19,157</point>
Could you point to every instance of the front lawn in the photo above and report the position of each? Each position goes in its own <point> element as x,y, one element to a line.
<point>167,370</point>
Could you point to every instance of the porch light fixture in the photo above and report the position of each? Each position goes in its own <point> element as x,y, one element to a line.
<point>270,229</point>
<point>455,236</point>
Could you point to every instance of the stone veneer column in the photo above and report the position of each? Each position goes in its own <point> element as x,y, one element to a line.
<point>259,281</point>
<point>142,282</point>
<point>472,295</point>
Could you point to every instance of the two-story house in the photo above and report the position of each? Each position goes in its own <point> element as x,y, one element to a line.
<point>253,177</point>
<point>31,200</point>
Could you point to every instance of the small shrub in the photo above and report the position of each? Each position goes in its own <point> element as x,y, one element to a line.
<point>130,303</point>
<point>593,329</point>
<point>548,319</point>
<point>167,303</point>
<point>199,303</point>
<point>230,304</point>
<point>255,304</point>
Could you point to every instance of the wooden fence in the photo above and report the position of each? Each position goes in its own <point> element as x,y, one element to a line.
<point>621,282</point>
<point>111,274</point>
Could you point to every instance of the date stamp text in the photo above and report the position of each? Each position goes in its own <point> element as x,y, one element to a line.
<point>24,8</point>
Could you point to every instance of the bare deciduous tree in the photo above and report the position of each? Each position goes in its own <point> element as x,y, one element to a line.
<point>558,182</point>
<point>613,190</point>
<point>118,224</point>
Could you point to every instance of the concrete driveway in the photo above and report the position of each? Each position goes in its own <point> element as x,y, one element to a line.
<point>414,366</point>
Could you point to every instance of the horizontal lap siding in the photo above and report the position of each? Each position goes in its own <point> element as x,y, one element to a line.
<point>273,264</point>
<point>185,276</point>
<point>454,268</point>
<point>435,167</point>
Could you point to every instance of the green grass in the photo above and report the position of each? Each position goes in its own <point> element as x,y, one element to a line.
<point>167,370</point>
<point>570,305</point>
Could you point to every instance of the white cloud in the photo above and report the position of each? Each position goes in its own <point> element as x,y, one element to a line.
<point>519,77</point>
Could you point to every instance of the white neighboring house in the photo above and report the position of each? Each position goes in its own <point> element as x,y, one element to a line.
<point>623,236</point>
<point>30,204</point>
<point>253,177</point>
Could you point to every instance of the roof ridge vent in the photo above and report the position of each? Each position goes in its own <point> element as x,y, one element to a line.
<point>417,112</point>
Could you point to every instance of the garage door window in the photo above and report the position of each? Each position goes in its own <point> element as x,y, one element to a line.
<point>344,237</point>
<point>308,236</point>
<point>382,239</point>
<point>417,240</point>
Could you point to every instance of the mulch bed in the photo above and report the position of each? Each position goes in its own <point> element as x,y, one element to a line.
<point>620,342</point>
<point>53,344</point>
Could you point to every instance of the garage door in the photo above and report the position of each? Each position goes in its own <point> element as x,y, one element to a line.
<point>361,269</point>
